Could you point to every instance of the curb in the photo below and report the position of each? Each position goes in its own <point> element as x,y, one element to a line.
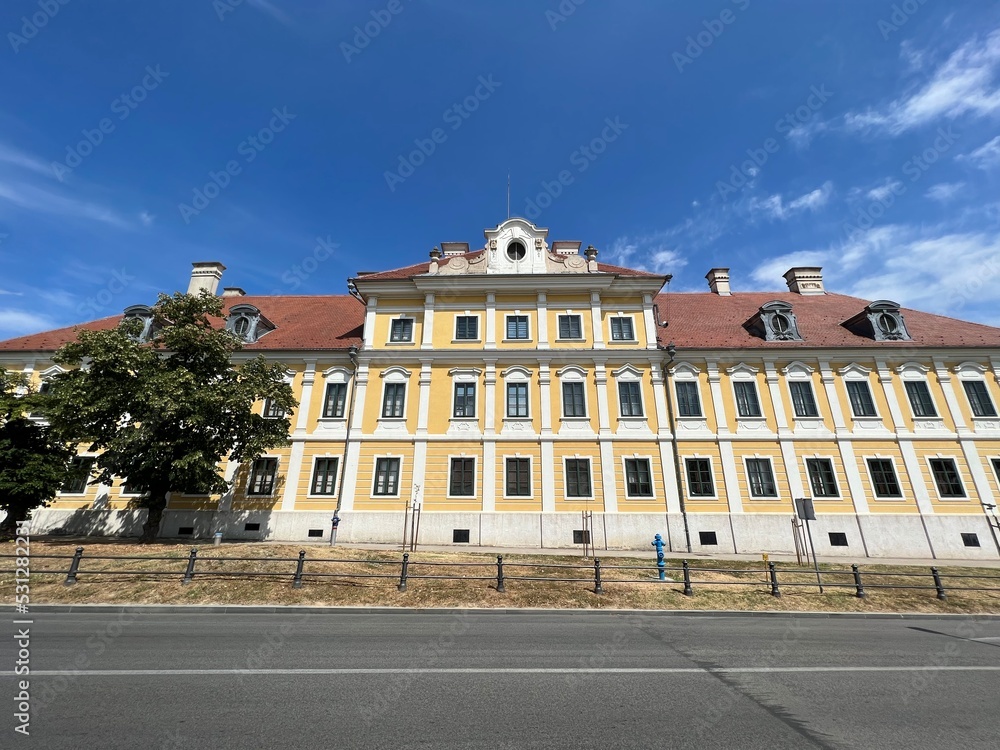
<point>227,609</point>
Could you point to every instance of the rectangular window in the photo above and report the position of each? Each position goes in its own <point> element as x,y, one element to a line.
<point>920,398</point>
<point>519,477</point>
<point>393,400</point>
<point>979,398</point>
<point>630,399</point>
<point>803,401</point>
<point>747,404</point>
<point>688,403</point>
<point>699,475</point>
<point>325,476</point>
<point>465,400</point>
<point>861,398</point>
<point>463,477</point>
<point>262,475</point>
<point>949,483</point>
<point>622,329</point>
<point>272,410</point>
<point>574,403</point>
<point>517,399</point>
<point>761,478</point>
<point>401,329</point>
<point>467,327</point>
<point>336,398</point>
<point>883,475</point>
<point>386,477</point>
<point>577,477</point>
<point>517,326</point>
<point>638,478</point>
<point>570,327</point>
<point>80,469</point>
<point>821,477</point>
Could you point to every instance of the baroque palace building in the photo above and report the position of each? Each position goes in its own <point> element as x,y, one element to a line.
<point>509,389</point>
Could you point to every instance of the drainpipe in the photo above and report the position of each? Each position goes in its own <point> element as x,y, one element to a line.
<point>353,354</point>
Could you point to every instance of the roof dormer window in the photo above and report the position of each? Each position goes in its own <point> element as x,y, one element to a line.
<point>881,320</point>
<point>144,315</point>
<point>247,323</point>
<point>775,321</point>
<point>516,250</point>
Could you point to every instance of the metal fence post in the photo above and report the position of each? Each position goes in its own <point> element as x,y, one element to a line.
<point>938,585</point>
<point>687,579</point>
<point>773,574</point>
<point>74,566</point>
<point>402,572</point>
<point>598,588</point>
<point>500,586</point>
<point>189,573</point>
<point>860,589</point>
<point>297,582</point>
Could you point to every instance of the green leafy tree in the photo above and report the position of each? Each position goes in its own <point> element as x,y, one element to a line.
<point>163,413</point>
<point>33,461</point>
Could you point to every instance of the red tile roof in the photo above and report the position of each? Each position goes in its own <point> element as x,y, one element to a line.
<point>320,322</point>
<point>703,320</point>
<point>699,320</point>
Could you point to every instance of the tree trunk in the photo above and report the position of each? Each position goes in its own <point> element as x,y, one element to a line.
<point>15,512</point>
<point>155,505</point>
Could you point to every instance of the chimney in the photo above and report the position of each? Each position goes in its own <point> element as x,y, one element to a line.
<point>233,291</point>
<point>435,261</point>
<point>205,276</point>
<point>805,280</point>
<point>718,281</point>
<point>591,253</point>
<point>452,249</point>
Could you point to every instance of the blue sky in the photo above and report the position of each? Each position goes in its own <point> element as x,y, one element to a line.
<point>299,142</point>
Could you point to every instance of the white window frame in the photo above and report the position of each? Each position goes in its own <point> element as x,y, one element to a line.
<point>342,376</point>
<point>336,480</point>
<point>579,316</point>
<point>774,478</point>
<point>916,372</point>
<point>836,479</point>
<point>590,464</point>
<point>800,372</point>
<point>479,328</point>
<point>684,372</point>
<point>86,486</point>
<point>652,477</point>
<point>619,316</point>
<point>573,374</point>
<point>930,473</point>
<point>531,475</point>
<point>394,375</point>
<point>973,371</point>
<point>687,478</point>
<point>744,373</point>
<point>399,478</point>
<point>475,477</point>
<point>465,376</point>
<point>871,481</point>
<point>859,373</point>
<point>413,330</point>
<point>517,314</point>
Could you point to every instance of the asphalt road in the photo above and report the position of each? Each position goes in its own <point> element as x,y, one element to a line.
<point>573,680</point>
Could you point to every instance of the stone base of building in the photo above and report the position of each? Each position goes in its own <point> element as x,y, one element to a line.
<point>896,535</point>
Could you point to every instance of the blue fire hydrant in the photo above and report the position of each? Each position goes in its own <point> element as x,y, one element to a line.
<point>662,566</point>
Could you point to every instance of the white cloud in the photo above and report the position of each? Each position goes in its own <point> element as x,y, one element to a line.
<point>883,191</point>
<point>986,156</point>
<point>146,218</point>
<point>17,158</point>
<point>647,253</point>
<point>272,10</point>
<point>944,191</point>
<point>43,200</point>
<point>964,84</point>
<point>802,134</point>
<point>774,207</point>
<point>18,323</point>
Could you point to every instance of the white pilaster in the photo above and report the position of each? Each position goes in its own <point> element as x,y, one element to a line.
<point>669,477</point>
<point>489,476</point>
<point>361,390</point>
<point>491,321</point>
<point>292,475</point>
<point>302,413</point>
<point>885,378</point>
<point>424,405</point>
<point>603,412</point>
<point>350,475</point>
<point>542,324</point>
<point>855,486</point>
<point>609,476</point>
<point>427,340</point>
<point>649,320</point>
<point>773,381</point>
<point>830,385</point>
<point>715,385</point>
<point>545,387</point>
<point>912,465</point>
<point>548,476</point>
<point>490,387</point>
<point>948,388</point>
<point>792,470</point>
<point>656,376</point>
<point>595,317</point>
<point>370,322</point>
<point>730,476</point>
<point>984,492</point>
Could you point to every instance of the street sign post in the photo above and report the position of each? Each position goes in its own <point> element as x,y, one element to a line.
<point>805,510</point>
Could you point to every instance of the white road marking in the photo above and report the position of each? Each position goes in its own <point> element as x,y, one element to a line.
<point>490,670</point>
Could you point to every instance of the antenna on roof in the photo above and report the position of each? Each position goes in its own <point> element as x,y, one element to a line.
<point>508,193</point>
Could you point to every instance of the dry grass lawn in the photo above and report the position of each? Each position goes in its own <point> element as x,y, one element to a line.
<point>369,578</point>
